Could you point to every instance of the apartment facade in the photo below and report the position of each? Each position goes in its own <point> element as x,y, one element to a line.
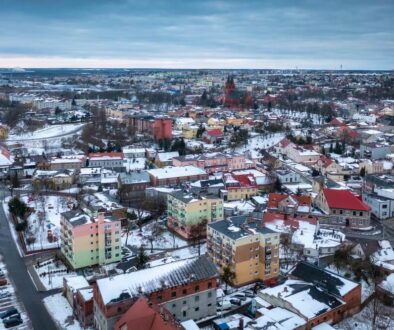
<point>187,211</point>
<point>110,160</point>
<point>239,186</point>
<point>251,250</point>
<point>86,241</point>
<point>173,176</point>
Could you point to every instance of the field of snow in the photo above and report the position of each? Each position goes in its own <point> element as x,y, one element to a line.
<point>47,132</point>
<point>298,116</point>
<point>163,239</point>
<point>61,312</point>
<point>256,143</point>
<point>46,216</point>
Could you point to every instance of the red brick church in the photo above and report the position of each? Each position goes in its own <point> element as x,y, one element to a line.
<point>234,98</point>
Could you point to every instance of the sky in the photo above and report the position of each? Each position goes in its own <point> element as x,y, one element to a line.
<point>278,34</point>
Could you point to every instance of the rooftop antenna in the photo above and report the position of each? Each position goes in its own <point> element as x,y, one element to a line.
<point>341,67</point>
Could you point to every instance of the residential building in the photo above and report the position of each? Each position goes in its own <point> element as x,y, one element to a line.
<point>374,151</point>
<point>130,152</point>
<point>289,204</point>
<point>158,128</point>
<point>87,241</point>
<point>343,208</point>
<point>316,295</point>
<point>186,288</point>
<point>239,186</point>
<point>131,187</point>
<point>287,176</point>
<point>163,159</point>
<point>188,213</point>
<point>213,162</point>
<point>109,160</point>
<point>381,207</point>
<point>144,315</point>
<point>251,250</point>
<point>67,163</point>
<point>173,176</point>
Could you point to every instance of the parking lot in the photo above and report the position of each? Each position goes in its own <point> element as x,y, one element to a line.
<point>8,300</point>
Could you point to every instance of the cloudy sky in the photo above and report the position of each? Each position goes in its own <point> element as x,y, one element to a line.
<point>359,34</point>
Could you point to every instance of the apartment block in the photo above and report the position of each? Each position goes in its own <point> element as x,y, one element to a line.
<point>251,250</point>
<point>187,211</point>
<point>87,241</point>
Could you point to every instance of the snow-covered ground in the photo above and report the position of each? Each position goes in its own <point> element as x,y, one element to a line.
<point>134,164</point>
<point>256,143</point>
<point>53,280</point>
<point>61,312</point>
<point>45,217</point>
<point>48,132</point>
<point>162,238</point>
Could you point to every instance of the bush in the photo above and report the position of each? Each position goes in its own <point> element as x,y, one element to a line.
<point>21,226</point>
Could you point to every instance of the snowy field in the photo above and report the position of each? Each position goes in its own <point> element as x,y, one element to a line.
<point>153,235</point>
<point>45,220</point>
<point>48,132</point>
<point>57,271</point>
<point>256,143</point>
<point>61,312</point>
<point>298,116</point>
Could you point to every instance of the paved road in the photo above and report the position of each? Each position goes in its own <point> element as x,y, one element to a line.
<point>31,299</point>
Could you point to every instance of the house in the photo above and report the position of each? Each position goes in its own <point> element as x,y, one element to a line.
<point>213,162</point>
<point>384,257</point>
<point>186,288</point>
<point>239,186</point>
<point>343,208</point>
<point>289,204</point>
<point>144,315</point>
<point>131,187</point>
<point>130,152</point>
<point>188,213</point>
<point>374,151</point>
<point>53,180</point>
<point>315,294</point>
<point>287,176</point>
<point>163,159</point>
<point>83,306</point>
<point>108,160</point>
<point>251,250</point>
<point>67,162</point>
<point>86,241</point>
<point>70,286</point>
<point>213,136</point>
<point>381,207</point>
<point>173,176</point>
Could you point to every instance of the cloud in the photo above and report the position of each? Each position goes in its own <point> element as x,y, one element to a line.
<point>306,33</point>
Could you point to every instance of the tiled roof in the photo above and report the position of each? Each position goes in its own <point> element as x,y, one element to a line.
<point>343,199</point>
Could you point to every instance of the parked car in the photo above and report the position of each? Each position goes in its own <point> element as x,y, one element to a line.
<point>12,321</point>
<point>249,293</point>
<point>3,281</point>
<point>223,305</point>
<point>236,301</point>
<point>5,294</point>
<point>240,296</point>
<point>8,312</point>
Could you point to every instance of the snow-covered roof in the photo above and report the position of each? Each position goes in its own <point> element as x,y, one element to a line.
<point>171,172</point>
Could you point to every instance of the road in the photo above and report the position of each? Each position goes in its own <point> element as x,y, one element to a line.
<point>26,292</point>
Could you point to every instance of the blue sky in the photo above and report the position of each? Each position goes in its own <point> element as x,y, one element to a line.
<point>198,34</point>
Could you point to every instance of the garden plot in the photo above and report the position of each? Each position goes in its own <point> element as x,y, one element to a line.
<point>51,273</point>
<point>153,235</point>
<point>43,231</point>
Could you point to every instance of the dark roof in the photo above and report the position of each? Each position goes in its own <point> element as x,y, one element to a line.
<point>76,217</point>
<point>239,226</point>
<point>321,278</point>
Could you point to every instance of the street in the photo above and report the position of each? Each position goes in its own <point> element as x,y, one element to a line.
<point>25,289</point>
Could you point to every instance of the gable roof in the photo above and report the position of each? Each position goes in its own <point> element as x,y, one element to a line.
<point>274,199</point>
<point>324,279</point>
<point>343,199</point>
<point>142,316</point>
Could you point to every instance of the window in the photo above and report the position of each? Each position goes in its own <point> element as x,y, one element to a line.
<point>184,313</point>
<point>354,212</point>
<point>197,298</point>
<point>209,285</point>
<point>173,305</point>
<point>197,309</point>
<point>159,297</point>
<point>184,302</point>
<point>209,294</point>
<point>184,291</point>
<point>173,294</point>
<point>197,288</point>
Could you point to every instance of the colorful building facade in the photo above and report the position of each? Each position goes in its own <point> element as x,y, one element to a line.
<point>187,212</point>
<point>86,241</point>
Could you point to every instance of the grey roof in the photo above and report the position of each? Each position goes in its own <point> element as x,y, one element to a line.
<point>186,197</point>
<point>134,177</point>
<point>76,217</point>
<point>246,226</point>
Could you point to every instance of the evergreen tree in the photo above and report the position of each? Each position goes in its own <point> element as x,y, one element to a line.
<point>142,258</point>
<point>228,275</point>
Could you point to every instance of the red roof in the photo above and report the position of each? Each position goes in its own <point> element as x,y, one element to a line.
<point>292,222</point>
<point>106,154</point>
<point>325,160</point>
<point>284,142</point>
<point>142,316</point>
<point>343,199</point>
<point>215,132</point>
<point>335,122</point>
<point>274,199</point>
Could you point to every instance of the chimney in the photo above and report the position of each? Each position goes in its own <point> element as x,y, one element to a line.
<point>100,217</point>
